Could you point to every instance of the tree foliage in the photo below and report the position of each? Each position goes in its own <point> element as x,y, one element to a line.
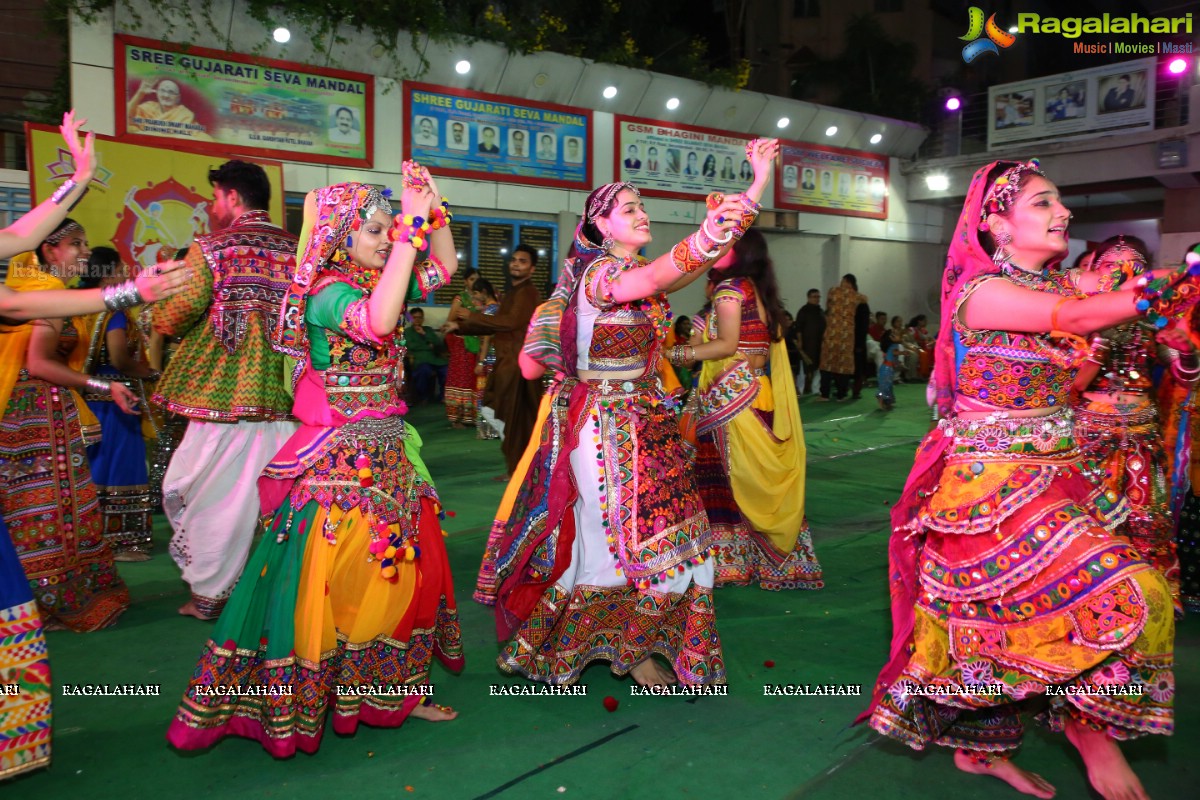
<point>669,36</point>
<point>873,74</point>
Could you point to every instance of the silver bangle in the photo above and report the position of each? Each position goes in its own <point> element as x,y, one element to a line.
<point>62,191</point>
<point>98,386</point>
<point>122,295</point>
<point>728,234</point>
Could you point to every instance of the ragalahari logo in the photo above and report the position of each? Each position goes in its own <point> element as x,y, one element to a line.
<point>997,37</point>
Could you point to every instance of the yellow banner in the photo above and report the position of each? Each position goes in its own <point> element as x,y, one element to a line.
<point>145,202</point>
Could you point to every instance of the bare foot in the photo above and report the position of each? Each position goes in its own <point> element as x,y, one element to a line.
<point>434,713</point>
<point>189,609</point>
<point>1022,780</point>
<point>1108,771</point>
<point>649,672</point>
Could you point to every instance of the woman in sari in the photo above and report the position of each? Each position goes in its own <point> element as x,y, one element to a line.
<point>49,503</point>
<point>1007,583</point>
<point>750,444</point>
<point>464,355</point>
<point>348,596</point>
<point>605,553</point>
<point>118,460</point>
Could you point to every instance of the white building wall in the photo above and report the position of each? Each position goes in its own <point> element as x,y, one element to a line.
<point>892,256</point>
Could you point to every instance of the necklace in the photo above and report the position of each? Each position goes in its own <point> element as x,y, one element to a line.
<point>1037,281</point>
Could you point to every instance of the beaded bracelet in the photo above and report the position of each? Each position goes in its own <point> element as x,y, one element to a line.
<point>415,230</point>
<point>98,386</point>
<point>1169,296</point>
<point>440,216</point>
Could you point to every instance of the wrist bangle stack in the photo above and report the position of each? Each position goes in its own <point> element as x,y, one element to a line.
<point>122,295</point>
<point>62,191</point>
<point>98,386</point>
<point>411,229</point>
<point>440,216</point>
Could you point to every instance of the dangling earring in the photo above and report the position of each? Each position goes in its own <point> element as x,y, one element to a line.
<point>1002,239</point>
<point>609,242</point>
<point>349,243</point>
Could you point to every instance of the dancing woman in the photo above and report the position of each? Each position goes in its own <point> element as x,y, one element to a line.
<point>118,460</point>
<point>750,444</point>
<point>1007,583</point>
<point>49,503</point>
<point>348,596</point>
<point>1117,419</point>
<point>25,715</point>
<point>605,552</point>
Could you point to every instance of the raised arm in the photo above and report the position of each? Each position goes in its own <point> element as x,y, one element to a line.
<point>32,229</point>
<point>725,221</point>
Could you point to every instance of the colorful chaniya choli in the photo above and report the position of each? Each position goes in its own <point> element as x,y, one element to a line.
<point>602,552</point>
<point>24,671</point>
<point>750,457</point>
<point>1122,435</point>
<point>348,596</point>
<point>49,502</point>
<point>1006,577</point>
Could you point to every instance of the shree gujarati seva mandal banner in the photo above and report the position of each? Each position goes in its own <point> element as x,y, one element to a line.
<point>145,202</point>
<point>225,103</point>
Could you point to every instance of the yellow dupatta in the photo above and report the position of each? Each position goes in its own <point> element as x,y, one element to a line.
<point>25,275</point>
<point>766,464</point>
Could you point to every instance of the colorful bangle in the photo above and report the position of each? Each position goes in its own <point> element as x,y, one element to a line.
<point>1170,296</point>
<point>98,386</point>
<point>694,253</point>
<point>411,229</point>
<point>716,239</point>
<point>431,274</point>
<point>440,216</point>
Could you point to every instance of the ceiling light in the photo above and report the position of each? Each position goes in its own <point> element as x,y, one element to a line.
<point>462,67</point>
<point>783,122</point>
<point>953,103</point>
<point>673,104</point>
<point>610,92</point>
<point>1177,66</point>
<point>831,130</point>
<point>877,138</point>
<point>282,35</point>
<point>937,182</point>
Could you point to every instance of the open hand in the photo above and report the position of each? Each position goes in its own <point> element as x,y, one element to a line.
<point>83,152</point>
<point>162,280</point>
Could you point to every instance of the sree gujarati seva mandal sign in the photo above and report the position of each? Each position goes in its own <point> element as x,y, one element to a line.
<point>225,103</point>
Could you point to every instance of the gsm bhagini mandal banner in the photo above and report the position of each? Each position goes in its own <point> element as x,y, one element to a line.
<point>224,103</point>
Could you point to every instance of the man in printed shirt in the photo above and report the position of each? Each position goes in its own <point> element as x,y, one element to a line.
<point>227,379</point>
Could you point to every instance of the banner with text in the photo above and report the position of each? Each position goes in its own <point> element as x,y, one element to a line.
<point>832,180</point>
<point>1116,98</point>
<point>221,102</point>
<point>145,202</point>
<point>472,135</point>
<point>680,161</point>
